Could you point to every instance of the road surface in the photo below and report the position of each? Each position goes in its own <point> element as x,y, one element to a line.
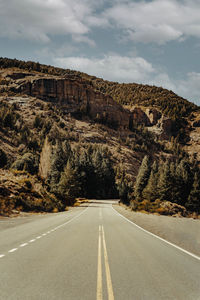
<point>91,253</point>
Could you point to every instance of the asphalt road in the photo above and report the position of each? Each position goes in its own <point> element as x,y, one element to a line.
<point>91,253</point>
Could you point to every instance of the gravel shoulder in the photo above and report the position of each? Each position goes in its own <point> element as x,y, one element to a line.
<point>184,232</point>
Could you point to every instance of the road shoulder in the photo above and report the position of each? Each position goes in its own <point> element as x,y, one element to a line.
<point>183,232</point>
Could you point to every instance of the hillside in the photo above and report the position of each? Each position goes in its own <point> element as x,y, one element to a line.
<point>65,134</point>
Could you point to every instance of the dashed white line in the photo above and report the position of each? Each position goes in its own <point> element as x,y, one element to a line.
<point>23,245</point>
<point>44,234</point>
<point>13,250</point>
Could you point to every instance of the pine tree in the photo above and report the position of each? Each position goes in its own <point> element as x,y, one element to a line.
<point>68,188</point>
<point>59,160</point>
<point>150,191</point>
<point>183,182</point>
<point>142,178</point>
<point>164,182</point>
<point>122,185</point>
<point>193,202</point>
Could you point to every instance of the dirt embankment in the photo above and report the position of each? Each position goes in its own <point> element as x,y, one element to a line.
<point>183,232</point>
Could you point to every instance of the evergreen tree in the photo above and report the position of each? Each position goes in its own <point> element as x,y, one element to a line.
<point>68,188</point>
<point>150,191</point>
<point>59,160</point>
<point>183,182</point>
<point>175,190</point>
<point>193,202</point>
<point>142,178</point>
<point>123,186</point>
<point>164,182</point>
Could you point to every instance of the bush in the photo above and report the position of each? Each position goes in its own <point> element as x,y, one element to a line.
<point>28,162</point>
<point>3,159</point>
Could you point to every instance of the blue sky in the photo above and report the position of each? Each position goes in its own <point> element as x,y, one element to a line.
<point>152,42</point>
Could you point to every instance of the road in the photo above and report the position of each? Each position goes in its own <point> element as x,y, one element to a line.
<point>91,253</point>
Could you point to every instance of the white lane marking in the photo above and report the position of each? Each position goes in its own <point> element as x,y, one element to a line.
<point>44,234</point>
<point>108,275</point>
<point>99,270</point>
<point>13,250</point>
<point>158,237</point>
<point>23,245</point>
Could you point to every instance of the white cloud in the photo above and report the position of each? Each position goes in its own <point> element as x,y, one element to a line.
<point>156,21</point>
<point>111,67</point>
<point>41,19</point>
<point>190,87</point>
<point>134,69</point>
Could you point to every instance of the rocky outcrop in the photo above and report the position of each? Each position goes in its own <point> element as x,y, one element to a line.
<point>167,128</point>
<point>78,97</point>
<point>139,117</point>
<point>154,115</point>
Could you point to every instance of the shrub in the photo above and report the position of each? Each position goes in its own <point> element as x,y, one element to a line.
<point>28,162</point>
<point>3,159</point>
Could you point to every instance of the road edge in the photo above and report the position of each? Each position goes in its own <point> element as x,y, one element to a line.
<point>158,237</point>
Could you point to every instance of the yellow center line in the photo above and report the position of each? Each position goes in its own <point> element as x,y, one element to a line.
<point>108,276</point>
<point>99,270</point>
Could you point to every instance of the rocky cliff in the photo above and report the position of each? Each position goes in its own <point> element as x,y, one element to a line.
<point>78,97</point>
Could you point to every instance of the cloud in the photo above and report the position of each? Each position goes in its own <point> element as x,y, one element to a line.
<point>134,69</point>
<point>111,67</point>
<point>157,21</point>
<point>190,87</point>
<point>39,20</point>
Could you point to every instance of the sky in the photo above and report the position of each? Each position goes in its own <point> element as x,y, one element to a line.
<point>154,42</point>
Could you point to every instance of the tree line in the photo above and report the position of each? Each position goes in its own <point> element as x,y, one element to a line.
<point>81,171</point>
<point>175,181</point>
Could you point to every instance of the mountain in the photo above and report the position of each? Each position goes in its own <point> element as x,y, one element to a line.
<point>65,134</point>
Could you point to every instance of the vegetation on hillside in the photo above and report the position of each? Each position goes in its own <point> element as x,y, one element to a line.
<point>176,181</point>
<point>167,101</point>
<point>89,168</point>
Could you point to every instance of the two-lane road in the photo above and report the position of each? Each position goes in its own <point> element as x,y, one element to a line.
<point>91,253</point>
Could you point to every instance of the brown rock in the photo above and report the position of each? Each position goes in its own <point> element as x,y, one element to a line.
<point>140,117</point>
<point>79,97</point>
<point>167,125</point>
<point>154,115</point>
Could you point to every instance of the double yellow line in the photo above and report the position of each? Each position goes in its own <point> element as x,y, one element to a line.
<point>107,268</point>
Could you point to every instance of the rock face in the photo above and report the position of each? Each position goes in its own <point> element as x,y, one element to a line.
<point>140,117</point>
<point>154,115</point>
<point>78,97</point>
<point>167,125</point>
